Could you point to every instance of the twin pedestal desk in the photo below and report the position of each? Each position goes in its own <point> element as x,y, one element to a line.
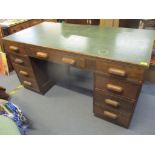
<point>118,57</point>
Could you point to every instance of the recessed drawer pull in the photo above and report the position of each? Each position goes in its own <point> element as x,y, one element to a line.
<point>27,83</point>
<point>68,61</point>
<point>114,88</point>
<point>118,72</point>
<point>19,61</point>
<point>42,55</point>
<point>14,48</point>
<point>23,73</point>
<point>110,115</point>
<point>112,103</point>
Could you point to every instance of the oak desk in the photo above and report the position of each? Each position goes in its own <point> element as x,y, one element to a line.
<point>117,56</point>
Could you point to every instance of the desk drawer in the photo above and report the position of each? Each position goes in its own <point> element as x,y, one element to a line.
<point>29,83</point>
<point>111,102</point>
<point>111,116</point>
<point>20,60</point>
<point>14,48</point>
<point>117,87</point>
<point>122,70</point>
<point>23,71</point>
<point>57,56</point>
<point>69,59</point>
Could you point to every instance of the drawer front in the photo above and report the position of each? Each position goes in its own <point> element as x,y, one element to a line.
<point>122,70</point>
<point>23,72</point>
<point>29,83</point>
<point>20,60</point>
<point>113,103</point>
<point>14,48</point>
<point>111,116</point>
<point>117,87</point>
<point>57,57</point>
<point>69,59</point>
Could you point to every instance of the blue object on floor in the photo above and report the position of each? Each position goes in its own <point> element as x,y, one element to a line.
<point>17,116</point>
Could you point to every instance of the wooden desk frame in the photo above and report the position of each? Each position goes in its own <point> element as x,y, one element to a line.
<point>117,84</point>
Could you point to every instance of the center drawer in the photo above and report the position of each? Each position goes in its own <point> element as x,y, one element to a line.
<point>117,87</point>
<point>56,56</point>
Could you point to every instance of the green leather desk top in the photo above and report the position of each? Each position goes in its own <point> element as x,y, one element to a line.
<point>120,44</point>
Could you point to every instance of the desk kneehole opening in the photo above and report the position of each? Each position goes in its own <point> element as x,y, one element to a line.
<point>114,88</point>
<point>110,115</point>
<point>27,83</point>
<point>42,55</point>
<point>112,103</point>
<point>69,61</point>
<point>118,72</point>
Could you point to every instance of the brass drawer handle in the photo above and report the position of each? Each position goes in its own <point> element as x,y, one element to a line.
<point>68,61</point>
<point>23,73</point>
<point>14,48</point>
<point>112,103</point>
<point>110,115</point>
<point>27,83</point>
<point>42,55</point>
<point>118,72</point>
<point>115,88</point>
<point>19,61</point>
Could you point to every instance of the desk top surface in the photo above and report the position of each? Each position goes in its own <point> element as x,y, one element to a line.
<point>120,44</point>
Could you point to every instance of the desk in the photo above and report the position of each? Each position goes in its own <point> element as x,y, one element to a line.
<point>118,57</point>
